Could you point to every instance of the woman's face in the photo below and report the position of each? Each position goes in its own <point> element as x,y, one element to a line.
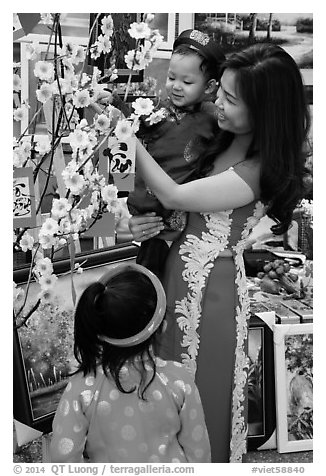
<point>233,114</point>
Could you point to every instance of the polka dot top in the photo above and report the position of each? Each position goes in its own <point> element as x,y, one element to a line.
<point>95,422</point>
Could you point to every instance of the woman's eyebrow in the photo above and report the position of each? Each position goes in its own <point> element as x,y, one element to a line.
<point>227,92</point>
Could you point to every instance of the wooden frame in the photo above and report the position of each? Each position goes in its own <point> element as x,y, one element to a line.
<point>293,346</point>
<point>261,389</point>
<point>43,350</point>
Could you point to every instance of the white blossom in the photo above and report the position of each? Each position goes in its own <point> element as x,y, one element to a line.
<point>156,116</point>
<point>44,92</point>
<point>102,123</point>
<point>75,182</point>
<point>17,82</point>
<point>48,281</point>
<point>26,242</point>
<point>43,145</point>
<point>143,106</point>
<point>43,267</point>
<point>107,25</point>
<point>123,130</point>
<point>49,227</point>
<point>32,50</point>
<point>109,193</point>
<point>20,113</point>
<point>60,207</point>
<point>139,30</point>
<point>81,98</point>
<point>44,70</point>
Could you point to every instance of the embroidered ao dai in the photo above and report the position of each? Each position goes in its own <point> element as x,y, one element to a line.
<point>208,312</point>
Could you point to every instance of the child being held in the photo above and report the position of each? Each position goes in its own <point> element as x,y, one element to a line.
<point>189,123</point>
<point>124,404</point>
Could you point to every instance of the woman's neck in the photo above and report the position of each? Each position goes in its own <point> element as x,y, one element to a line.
<point>241,143</point>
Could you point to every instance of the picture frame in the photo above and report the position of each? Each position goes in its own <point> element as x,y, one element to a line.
<point>293,351</point>
<point>261,386</point>
<point>166,23</point>
<point>43,349</point>
<point>120,46</point>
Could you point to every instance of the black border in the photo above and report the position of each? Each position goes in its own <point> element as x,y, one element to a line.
<point>254,442</point>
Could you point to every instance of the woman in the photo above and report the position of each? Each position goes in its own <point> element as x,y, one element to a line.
<point>255,166</point>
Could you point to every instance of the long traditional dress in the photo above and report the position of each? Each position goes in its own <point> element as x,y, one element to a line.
<point>208,311</point>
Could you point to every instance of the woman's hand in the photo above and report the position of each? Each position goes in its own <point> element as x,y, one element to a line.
<point>143,227</point>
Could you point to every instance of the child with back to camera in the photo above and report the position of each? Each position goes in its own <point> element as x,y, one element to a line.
<point>124,404</point>
<point>189,123</point>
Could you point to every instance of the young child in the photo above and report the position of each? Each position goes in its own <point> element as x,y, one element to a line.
<point>124,404</point>
<point>176,142</point>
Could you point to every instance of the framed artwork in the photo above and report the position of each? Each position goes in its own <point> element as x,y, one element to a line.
<point>293,350</point>
<point>166,23</point>
<point>121,44</point>
<point>43,349</point>
<point>261,387</point>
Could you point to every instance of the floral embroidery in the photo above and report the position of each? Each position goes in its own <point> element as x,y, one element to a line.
<point>239,429</point>
<point>199,255</point>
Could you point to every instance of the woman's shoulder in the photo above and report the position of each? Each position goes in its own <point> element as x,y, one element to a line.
<point>249,171</point>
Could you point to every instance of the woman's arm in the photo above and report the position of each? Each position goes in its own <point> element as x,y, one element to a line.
<point>224,191</point>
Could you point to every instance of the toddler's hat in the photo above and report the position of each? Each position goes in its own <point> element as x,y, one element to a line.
<point>202,43</point>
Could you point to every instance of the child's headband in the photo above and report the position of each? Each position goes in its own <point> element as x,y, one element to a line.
<point>159,311</point>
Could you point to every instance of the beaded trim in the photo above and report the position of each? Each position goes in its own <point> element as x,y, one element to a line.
<point>200,37</point>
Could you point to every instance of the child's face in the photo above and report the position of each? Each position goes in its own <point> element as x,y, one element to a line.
<point>185,82</point>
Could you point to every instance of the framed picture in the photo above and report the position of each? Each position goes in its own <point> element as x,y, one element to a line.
<point>43,348</point>
<point>121,44</point>
<point>293,350</point>
<point>166,24</point>
<point>261,388</point>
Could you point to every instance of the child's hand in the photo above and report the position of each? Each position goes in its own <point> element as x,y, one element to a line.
<point>143,227</point>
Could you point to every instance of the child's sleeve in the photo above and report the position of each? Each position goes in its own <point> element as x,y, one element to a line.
<point>70,427</point>
<point>193,436</point>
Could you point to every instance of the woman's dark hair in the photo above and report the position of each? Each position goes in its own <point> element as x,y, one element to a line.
<point>270,84</point>
<point>120,309</point>
<point>210,68</point>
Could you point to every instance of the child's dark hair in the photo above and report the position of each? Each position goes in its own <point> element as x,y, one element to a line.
<point>210,68</point>
<point>118,309</point>
<point>270,84</point>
